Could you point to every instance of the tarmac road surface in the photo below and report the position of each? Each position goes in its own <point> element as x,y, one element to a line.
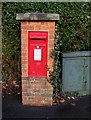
<point>13,108</point>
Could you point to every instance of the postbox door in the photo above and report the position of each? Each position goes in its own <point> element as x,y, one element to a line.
<point>37,54</point>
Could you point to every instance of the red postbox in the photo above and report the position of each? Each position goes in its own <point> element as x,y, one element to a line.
<point>37,53</point>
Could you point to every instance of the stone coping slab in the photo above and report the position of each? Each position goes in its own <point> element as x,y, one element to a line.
<point>37,16</point>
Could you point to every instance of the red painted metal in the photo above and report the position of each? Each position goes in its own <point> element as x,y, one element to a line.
<point>37,53</point>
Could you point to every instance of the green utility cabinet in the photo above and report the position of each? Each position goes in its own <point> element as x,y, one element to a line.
<point>76,72</point>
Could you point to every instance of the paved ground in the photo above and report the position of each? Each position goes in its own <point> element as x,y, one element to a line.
<point>12,108</point>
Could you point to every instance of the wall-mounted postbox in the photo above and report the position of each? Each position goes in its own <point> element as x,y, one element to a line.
<point>37,53</point>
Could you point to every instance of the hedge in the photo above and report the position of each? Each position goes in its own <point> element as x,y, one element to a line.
<point>72,34</point>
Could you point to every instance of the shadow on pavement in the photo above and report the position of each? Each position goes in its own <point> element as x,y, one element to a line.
<point>13,108</point>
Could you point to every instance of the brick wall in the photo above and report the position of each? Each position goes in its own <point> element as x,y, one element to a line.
<point>36,91</point>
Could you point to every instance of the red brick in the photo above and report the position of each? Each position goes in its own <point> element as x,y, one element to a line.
<point>50,59</point>
<point>29,28</point>
<point>24,86</point>
<point>51,32</point>
<point>51,27</point>
<point>51,49</point>
<point>34,23</point>
<point>23,32</point>
<point>36,90</point>
<point>51,24</point>
<point>38,83</point>
<point>24,90</point>
<point>24,70</point>
<point>50,63</point>
<point>24,49</point>
<point>24,36</point>
<point>25,102</point>
<point>51,41</point>
<point>24,54</point>
<point>24,58</point>
<point>24,75</point>
<point>24,82</point>
<point>24,23</point>
<point>24,27</point>
<point>24,62</point>
<point>37,27</point>
<point>36,87</point>
<point>51,45</point>
<point>51,36</point>
<point>42,23</point>
<point>24,40</point>
<point>24,45</point>
<point>45,23</point>
<point>24,65</point>
<point>38,98</point>
<point>29,23</point>
<point>44,27</point>
<point>35,103</point>
<point>24,94</point>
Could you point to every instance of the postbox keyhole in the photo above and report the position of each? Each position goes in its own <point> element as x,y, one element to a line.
<point>37,47</point>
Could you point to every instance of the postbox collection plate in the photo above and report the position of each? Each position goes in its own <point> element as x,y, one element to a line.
<point>37,54</point>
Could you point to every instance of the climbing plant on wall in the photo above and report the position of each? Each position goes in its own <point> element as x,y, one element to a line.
<point>72,34</point>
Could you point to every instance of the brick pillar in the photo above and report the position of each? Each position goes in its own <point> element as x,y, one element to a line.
<point>36,91</point>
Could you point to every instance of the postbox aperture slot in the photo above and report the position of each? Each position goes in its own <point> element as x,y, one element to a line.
<point>37,38</point>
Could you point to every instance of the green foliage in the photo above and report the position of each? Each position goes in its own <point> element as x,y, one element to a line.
<point>72,34</point>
